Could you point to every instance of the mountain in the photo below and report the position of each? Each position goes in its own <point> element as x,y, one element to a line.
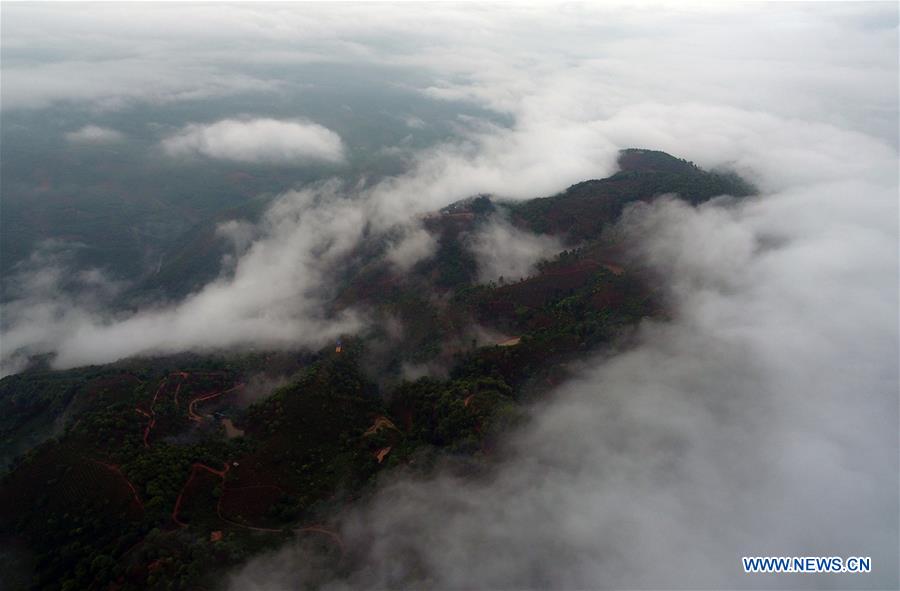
<point>582,210</point>
<point>163,472</point>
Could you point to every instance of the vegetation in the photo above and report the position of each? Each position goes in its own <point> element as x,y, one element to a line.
<point>125,477</point>
<point>584,209</point>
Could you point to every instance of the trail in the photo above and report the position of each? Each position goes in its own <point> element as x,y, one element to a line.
<point>193,404</point>
<point>235,523</point>
<point>162,385</point>
<point>118,472</point>
<point>184,376</point>
<point>275,486</point>
<point>152,414</point>
<point>381,422</point>
<point>194,468</point>
<point>335,537</point>
<point>147,429</point>
<point>250,527</point>
<point>222,474</point>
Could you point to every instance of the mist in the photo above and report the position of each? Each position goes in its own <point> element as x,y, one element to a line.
<point>569,117</point>
<point>509,253</point>
<point>760,419</point>
<point>274,295</point>
<point>93,134</point>
<point>257,140</point>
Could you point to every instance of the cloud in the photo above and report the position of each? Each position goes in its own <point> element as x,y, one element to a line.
<point>760,421</point>
<point>830,63</point>
<point>414,122</point>
<point>416,244</point>
<point>275,296</point>
<point>502,250</point>
<point>92,134</point>
<point>41,294</point>
<point>241,234</point>
<point>120,82</point>
<point>258,141</point>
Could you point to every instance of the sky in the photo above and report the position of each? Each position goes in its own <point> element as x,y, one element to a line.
<point>761,419</point>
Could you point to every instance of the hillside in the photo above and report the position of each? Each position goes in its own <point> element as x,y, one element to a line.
<point>162,473</point>
<point>582,210</point>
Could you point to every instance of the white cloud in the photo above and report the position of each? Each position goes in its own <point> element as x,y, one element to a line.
<point>119,82</point>
<point>258,140</point>
<point>805,60</point>
<point>414,122</point>
<point>502,250</point>
<point>761,420</point>
<point>274,297</point>
<point>415,244</point>
<point>240,233</point>
<point>92,134</point>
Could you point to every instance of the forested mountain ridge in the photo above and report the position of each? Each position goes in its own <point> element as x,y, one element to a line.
<point>162,472</point>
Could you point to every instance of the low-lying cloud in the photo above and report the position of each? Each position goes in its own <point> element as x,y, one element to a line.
<point>415,244</point>
<point>762,420</point>
<point>276,295</point>
<point>505,251</point>
<point>258,141</point>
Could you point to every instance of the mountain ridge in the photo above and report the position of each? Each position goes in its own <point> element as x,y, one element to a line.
<point>140,483</point>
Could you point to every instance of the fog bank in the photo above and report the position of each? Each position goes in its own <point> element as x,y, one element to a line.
<point>791,96</point>
<point>761,421</point>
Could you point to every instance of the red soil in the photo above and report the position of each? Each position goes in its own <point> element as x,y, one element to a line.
<point>221,474</point>
<point>203,397</point>
<point>321,530</point>
<point>118,471</point>
<point>152,414</point>
<point>382,453</point>
<point>381,422</point>
<point>194,468</point>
